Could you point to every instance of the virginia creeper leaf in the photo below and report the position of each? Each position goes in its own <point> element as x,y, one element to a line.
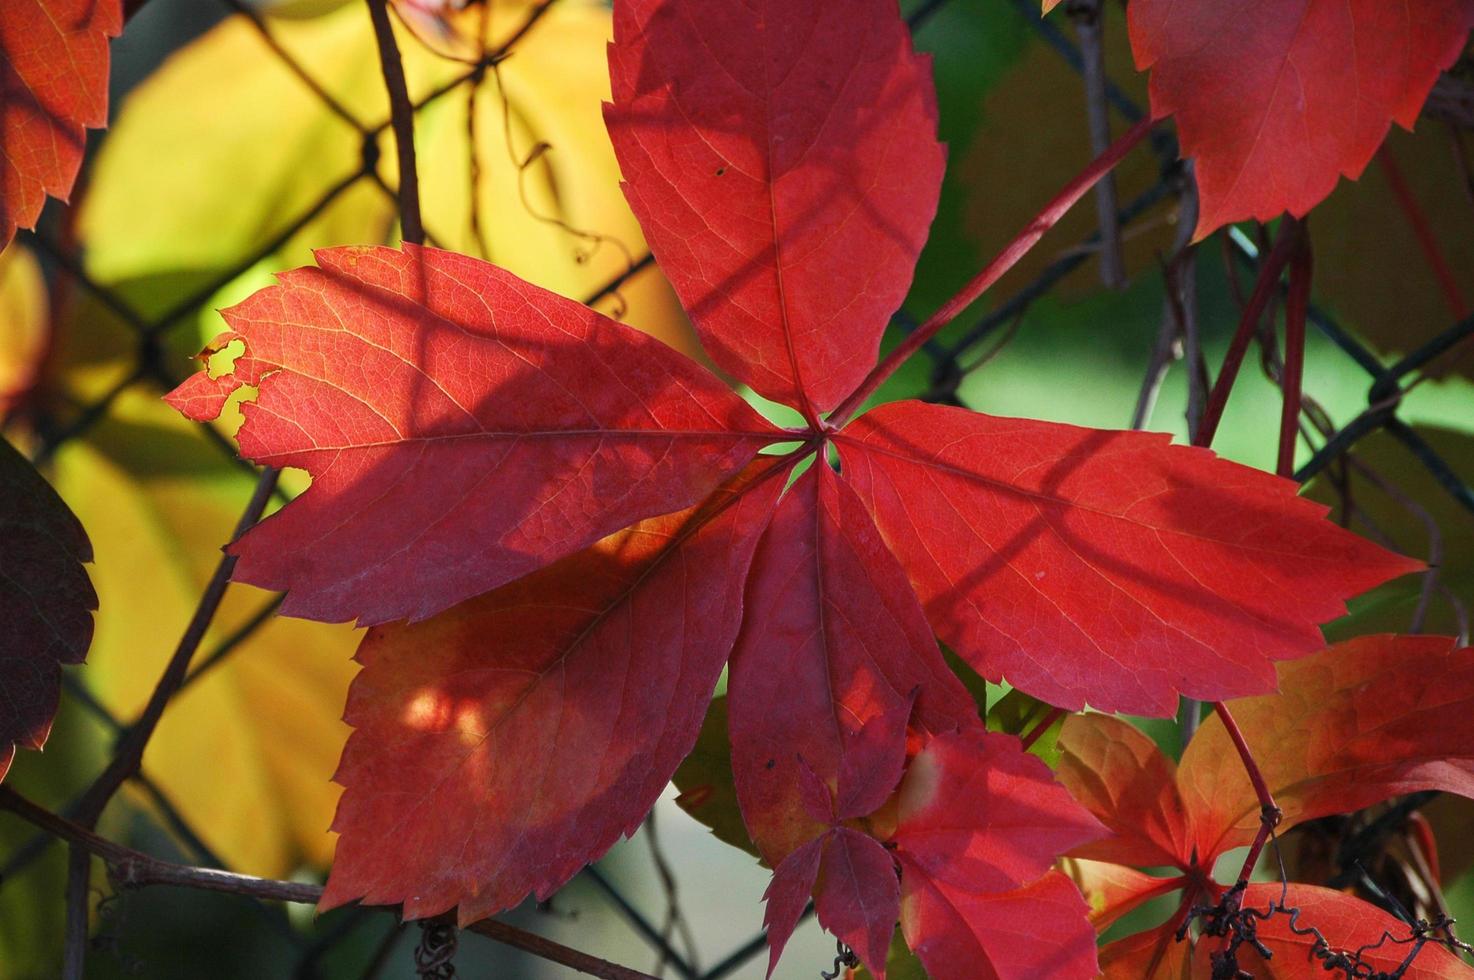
<point>782,158</point>
<point>25,325</point>
<point>1036,931</point>
<point>1275,103</point>
<point>462,428</point>
<point>1112,890</point>
<point>1151,955</point>
<point>832,638</point>
<point>1109,567</point>
<point>53,88</point>
<point>46,602</point>
<point>858,896</point>
<point>1362,722</point>
<point>523,732</point>
<point>979,812</point>
<point>1119,774</point>
<point>787,895</point>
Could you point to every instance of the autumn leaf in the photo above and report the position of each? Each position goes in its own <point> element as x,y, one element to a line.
<point>1325,745</point>
<point>53,88</point>
<point>46,602</point>
<point>261,723</point>
<point>1274,106</point>
<point>788,221</point>
<point>24,325</point>
<point>538,723</point>
<point>587,422</point>
<point>467,433</point>
<point>1037,547</point>
<point>216,154</point>
<point>1350,727</point>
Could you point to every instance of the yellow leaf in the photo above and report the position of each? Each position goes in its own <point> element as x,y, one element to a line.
<point>23,323</point>
<point>246,752</point>
<point>224,148</point>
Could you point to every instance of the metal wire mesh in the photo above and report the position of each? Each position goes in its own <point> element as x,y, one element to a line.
<point>951,362</point>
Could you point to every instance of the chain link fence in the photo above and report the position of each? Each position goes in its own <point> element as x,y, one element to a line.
<point>964,351</point>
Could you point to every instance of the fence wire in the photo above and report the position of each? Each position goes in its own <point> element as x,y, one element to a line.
<point>951,363</point>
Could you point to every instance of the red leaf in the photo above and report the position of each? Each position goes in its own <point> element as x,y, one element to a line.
<point>1276,101</point>
<point>1348,925</point>
<point>832,638</point>
<point>1152,955</point>
<point>1121,777</point>
<point>462,428</point>
<point>1359,723</point>
<point>53,88</point>
<point>781,156</point>
<point>978,812</point>
<point>1113,567</point>
<point>858,898</point>
<point>1033,932</point>
<point>787,895</point>
<point>504,744</point>
<point>1112,890</point>
<point>46,602</point>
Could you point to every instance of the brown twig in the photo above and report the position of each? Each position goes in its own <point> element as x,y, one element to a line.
<point>402,120</point>
<point>1086,16</point>
<point>134,869</point>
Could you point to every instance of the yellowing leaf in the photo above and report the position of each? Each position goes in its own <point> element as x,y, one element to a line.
<point>247,751</point>
<point>224,147</point>
<point>23,323</point>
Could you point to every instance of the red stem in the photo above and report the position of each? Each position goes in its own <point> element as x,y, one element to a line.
<point>1269,811</point>
<point>1035,733</point>
<point>1264,288</point>
<point>994,270</point>
<point>1423,231</point>
<point>1296,305</point>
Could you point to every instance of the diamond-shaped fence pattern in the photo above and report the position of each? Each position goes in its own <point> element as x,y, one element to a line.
<point>951,362</point>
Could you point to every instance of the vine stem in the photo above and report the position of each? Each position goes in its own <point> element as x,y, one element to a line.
<point>1423,232</point>
<point>129,868</point>
<point>1297,305</point>
<point>1264,288</point>
<point>402,120</point>
<point>1269,811</point>
<point>994,270</point>
<point>129,755</point>
<point>1033,735</point>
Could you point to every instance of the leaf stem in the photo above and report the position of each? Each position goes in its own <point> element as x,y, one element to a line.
<point>1297,305</point>
<point>1264,288</point>
<point>402,119</point>
<point>994,270</point>
<point>1427,241</point>
<point>1034,734</point>
<point>1269,811</point>
<point>134,869</point>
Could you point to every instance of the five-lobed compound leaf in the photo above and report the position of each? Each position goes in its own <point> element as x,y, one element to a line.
<point>1109,567</point>
<point>781,156</point>
<point>509,741</point>
<point>46,602</point>
<point>53,88</point>
<point>1276,102</point>
<point>833,638</point>
<point>1367,720</point>
<point>462,427</point>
